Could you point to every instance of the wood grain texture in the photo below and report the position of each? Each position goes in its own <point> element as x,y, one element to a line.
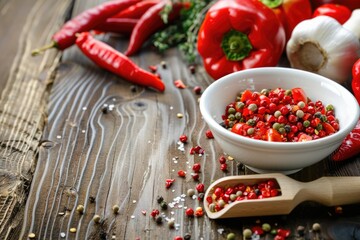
<point>24,93</point>
<point>106,142</point>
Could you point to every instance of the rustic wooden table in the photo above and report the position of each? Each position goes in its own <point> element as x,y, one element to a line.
<point>60,148</point>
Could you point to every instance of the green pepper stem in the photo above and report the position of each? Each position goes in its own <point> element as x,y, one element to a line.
<point>272,3</point>
<point>42,49</point>
<point>236,45</point>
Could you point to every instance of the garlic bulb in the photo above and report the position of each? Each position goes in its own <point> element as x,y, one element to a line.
<point>353,23</point>
<point>323,46</point>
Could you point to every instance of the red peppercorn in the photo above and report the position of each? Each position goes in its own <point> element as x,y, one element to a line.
<point>195,176</point>
<point>189,212</point>
<point>222,160</point>
<point>200,187</point>
<point>183,138</point>
<point>209,134</point>
<point>154,213</point>
<point>178,238</point>
<point>181,173</point>
<point>197,90</point>
<point>199,212</point>
<point>196,167</point>
<point>223,167</point>
<point>169,182</point>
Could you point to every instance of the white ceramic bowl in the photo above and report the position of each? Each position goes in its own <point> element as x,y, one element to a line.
<point>263,156</point>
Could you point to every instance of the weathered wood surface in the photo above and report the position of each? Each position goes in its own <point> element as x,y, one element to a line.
<point>60,148</point>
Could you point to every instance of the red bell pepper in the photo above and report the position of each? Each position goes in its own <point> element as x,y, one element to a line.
<point>352,4</point>
<point>339,12</point>
<point>290,12</point>
<point>239,34</point>
<point>355,83</point>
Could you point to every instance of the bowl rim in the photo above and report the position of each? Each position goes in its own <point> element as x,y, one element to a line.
<point>328,140</point>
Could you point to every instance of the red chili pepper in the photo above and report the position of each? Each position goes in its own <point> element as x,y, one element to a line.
<point>84,22</point>
<point>116,62</point>
<point>290,12</point>
<point>136,10</point>
<point>239,34</point>
<point>339,12</point>
<point>117,25</point>
<point>349,147</point>
<point>355,83</point>
<point>149,23</point>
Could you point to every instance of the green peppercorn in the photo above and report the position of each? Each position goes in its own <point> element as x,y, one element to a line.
<point>163,205</point>
<point>323,118</point>
<point>276,126</point>
<point>247,233</point>
<point>252,107</point>
<point>231,110</point>
<point>251,122</point>
<point>238,115</point>
<point>240,105</point>
<point>96,218</point>
<point>329,107</point>
<point>266,227</point>
<point>277,113</point>
<point>281,130</point>
<point>288,92</point>
<point>306,123</point>
<point>300,113</point>
<point>265,92</point>
<point>250,131</point>
<point>231,236</point>
<point>80,209</point>
<point>231,117</point>
<point>319,127</point>
<point>239,193</point>
<point>116,209</point>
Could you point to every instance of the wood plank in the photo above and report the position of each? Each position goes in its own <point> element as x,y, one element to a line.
<point>25,84</point>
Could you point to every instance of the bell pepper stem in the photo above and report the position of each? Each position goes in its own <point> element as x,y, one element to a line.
<point>272,3</point>
<point>236,45</point>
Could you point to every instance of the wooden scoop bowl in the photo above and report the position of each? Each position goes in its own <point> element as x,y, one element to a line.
<point>329,191</point>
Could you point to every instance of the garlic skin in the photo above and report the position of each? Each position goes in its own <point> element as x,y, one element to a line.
<point>321,45</point>
<point>353,23</point>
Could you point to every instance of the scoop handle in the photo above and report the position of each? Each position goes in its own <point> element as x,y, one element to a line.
<point>333,191</point>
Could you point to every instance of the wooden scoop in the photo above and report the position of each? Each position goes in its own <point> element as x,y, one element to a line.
<point>329,191</point>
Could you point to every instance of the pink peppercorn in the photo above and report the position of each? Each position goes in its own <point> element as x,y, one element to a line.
<point>200,187</point>
<point>196,167</point>
<point>189,212</point>
<point>223,167</point>
<point>209,134</point>
<point>183,138</point>
<point>181,173</point>
<point>222,160</point>
<point>169,182</point>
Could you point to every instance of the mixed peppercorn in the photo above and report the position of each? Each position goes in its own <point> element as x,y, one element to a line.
<point>222,196</point>
<point>279,115</point>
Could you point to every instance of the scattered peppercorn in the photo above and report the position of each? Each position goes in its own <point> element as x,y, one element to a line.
<point>195,176</point>
<point>189,212</point>
<point>163,64</point>
<point>197,90</point>
<point>247,233</point>
<point>31,235</point>
<point>163,205</point>
<point>223,167</point>
<point>181,173</point>
<point>190,192</point>
<point>266,227</point>
<point>178,238</point>
<point>96,218</point>
<point>187,236</point>
<point>199,212</point>
<point>159,199</point>
<point>316,227</point>
<point>153,68</point>
<point>183,138</point>
<point>196,167</point>
<point>300,230</point>
<point>169,182</point>
<point>80,209</point>
<point>154,213</point>
<point>192,69</point>
<point>158,219</point>
<point>72,230</point>
<point>200,187</point>
<point>209,134</point>
<point>116,209</point>
<point>231,236</point>
<point>171,223</point>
